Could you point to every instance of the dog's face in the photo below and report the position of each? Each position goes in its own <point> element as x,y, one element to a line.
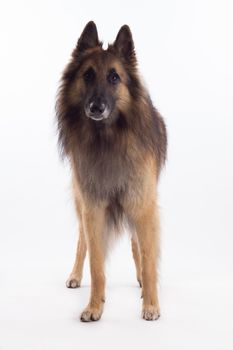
<point>102,79</point>
<point>102,85</point>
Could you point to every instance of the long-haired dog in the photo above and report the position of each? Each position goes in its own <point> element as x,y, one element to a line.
<point>115,141</point>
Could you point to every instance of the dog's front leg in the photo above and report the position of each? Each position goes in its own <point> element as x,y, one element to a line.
<point>147,228</point>
<point>94,221</point>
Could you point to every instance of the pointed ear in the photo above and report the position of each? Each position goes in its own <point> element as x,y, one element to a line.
<point>124,44</point>
<point>88,39</point>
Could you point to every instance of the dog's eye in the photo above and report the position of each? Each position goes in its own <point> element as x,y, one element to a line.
<point>113,77</point>
<point>89,75</point>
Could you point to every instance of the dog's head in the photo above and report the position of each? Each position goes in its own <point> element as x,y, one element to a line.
<point>101,83</point>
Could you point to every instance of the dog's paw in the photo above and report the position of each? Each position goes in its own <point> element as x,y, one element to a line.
<point>150,312</point>
<point>91,314</point>
<point>73,282</point>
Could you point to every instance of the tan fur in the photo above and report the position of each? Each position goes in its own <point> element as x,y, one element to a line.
<point>143,213</point>
<point>120,70</point>
<point>137,258</point>
<point>75,277</point>
<point>123,98</point>
<point>115,162</point>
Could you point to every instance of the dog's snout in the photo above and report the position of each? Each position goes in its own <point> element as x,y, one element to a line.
<point>97,107</point>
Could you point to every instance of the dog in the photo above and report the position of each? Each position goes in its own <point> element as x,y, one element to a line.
<point>116,143</point>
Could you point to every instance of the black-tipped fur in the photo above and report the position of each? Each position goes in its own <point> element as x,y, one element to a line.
<point>102,151</point>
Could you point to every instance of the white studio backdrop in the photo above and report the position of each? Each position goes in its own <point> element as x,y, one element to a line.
<point>185,53</point>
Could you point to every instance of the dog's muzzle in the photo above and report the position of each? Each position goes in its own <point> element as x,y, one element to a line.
<point>97,110</point>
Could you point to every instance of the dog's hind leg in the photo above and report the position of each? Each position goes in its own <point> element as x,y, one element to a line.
<point>75,277</point>
<point>137,259</point>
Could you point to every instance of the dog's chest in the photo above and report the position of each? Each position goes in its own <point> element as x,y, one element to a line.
<point>105,175</point>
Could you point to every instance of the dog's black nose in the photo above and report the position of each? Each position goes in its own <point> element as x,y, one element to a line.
<point>97,107</point>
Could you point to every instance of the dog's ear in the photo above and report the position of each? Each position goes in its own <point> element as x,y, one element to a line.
<point>88,39</point>
<point>124,44</point>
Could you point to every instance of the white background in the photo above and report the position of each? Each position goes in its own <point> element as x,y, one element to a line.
<point>186,56</point>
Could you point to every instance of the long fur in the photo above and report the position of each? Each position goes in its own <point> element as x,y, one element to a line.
<point>115,163</point>
<point>109,156</point>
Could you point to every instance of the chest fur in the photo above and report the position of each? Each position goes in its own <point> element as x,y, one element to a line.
<point>108,174</point>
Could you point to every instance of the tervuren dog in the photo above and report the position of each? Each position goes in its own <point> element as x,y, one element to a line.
<point>116,143</point>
